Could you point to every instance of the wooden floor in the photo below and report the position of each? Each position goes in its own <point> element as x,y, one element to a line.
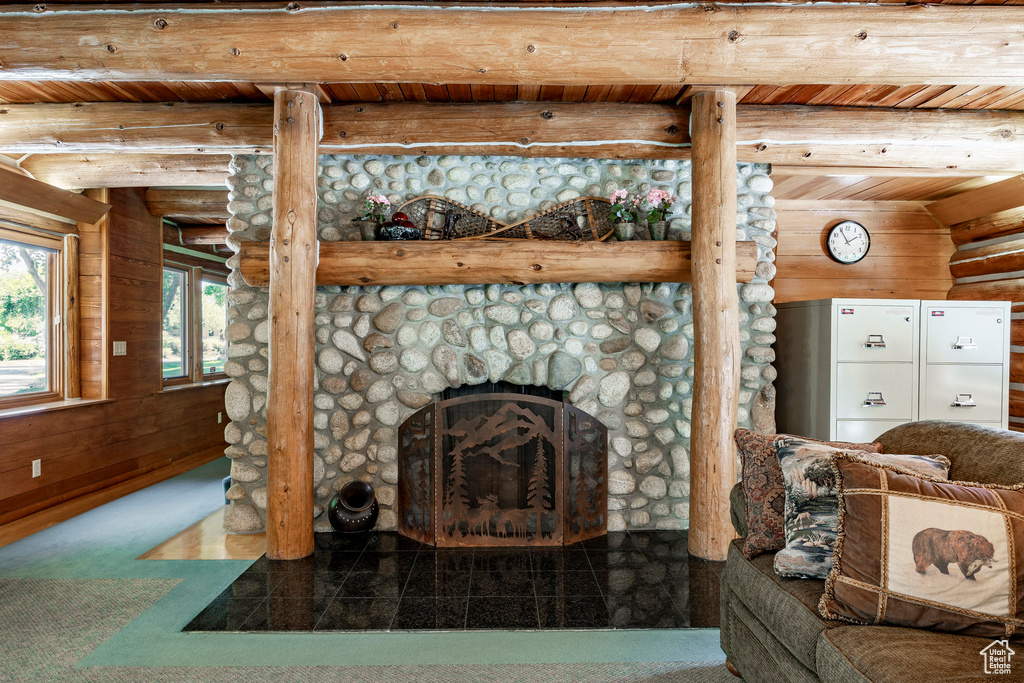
<point>207,540</point>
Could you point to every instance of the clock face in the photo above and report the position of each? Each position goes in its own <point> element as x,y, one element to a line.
<point>848,242</point>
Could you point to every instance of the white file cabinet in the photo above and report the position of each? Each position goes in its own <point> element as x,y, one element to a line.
<point>850,369</point>
<point>965,358</point>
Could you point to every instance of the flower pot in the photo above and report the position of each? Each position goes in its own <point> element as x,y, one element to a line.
<point>624,231</point>
<point>658,230</point>
<point>368,230</point>
<point>354,508</point>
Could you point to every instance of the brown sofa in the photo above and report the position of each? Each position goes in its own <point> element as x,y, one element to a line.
<point>771,630</point>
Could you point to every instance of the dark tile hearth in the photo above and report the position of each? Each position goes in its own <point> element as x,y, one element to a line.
<point>383,581</point>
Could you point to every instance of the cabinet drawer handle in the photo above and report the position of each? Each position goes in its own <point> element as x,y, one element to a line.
<point>964,401</point>
<point>874,399</point>
<point>964,343</point>
<point>875,341</point>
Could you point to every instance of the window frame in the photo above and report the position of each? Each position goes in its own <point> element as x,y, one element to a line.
<point>193,326</point>
<point>55,323</point>
<point>186,323</point>
<point>207,276</point>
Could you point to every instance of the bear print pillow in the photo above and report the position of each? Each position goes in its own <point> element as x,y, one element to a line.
<point>924,553</point>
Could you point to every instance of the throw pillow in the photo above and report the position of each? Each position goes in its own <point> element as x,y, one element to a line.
<point>763,491</point>
<point>812,509</point>
<point>917,552</point>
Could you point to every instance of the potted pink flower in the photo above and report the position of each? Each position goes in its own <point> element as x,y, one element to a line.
<point>375,212</point>
<point>658,206</point>
<point>625,209</point>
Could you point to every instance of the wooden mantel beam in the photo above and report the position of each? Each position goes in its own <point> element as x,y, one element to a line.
<point>795,136</point>
<point>609,44</point>
<point>484,262</point>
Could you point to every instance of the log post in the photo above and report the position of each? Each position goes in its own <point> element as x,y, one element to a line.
<point>293,253</point>
<point>72,320</point>
<point>716,347</point>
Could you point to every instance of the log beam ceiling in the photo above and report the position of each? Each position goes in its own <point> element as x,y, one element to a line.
<point>730,45</point>
<point>955,141</point>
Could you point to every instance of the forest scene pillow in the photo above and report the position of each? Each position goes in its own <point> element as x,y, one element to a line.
<point>812,509</point>
<point>922,553</point>
<point>763,492</point>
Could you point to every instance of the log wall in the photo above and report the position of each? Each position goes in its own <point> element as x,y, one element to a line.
<point>989,265</point>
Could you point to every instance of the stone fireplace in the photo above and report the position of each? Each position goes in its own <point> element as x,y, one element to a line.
<point>621,352</point>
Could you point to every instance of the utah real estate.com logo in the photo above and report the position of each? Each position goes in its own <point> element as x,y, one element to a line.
<point>997,657</point>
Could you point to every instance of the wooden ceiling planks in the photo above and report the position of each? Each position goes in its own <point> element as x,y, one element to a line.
<point>873,188</point>
<point>905,97</point>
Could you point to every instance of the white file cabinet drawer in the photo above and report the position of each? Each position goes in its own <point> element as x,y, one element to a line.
<point>864,431</point>
<point>875,391</point>
<point>876,333</point>
<point>964,335</point>
<point>979,388</point>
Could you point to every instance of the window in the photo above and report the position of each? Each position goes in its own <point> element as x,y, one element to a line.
<point>195,317</point>
<point>175,347</point>
<point>30,299</point>
<point>215,323</point>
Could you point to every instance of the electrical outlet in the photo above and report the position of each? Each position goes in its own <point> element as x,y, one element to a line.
<point>120,348</point>
<point>37,468</point>
<point>220,417</point>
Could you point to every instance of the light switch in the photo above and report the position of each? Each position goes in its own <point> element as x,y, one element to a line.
<point>120,348</point>
<point>37,468</point>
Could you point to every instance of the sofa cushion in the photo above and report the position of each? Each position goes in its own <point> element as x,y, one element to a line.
<point>926,553</point>
<point>812,509</point>
<point>886,654</point>
<point>983,454</point>
<point>765,498</point>
<point>788,608</point>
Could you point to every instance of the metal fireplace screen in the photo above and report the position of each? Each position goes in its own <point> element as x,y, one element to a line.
<point>502,470</point>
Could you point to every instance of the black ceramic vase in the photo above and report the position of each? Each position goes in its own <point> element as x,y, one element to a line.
<point>354,508</point>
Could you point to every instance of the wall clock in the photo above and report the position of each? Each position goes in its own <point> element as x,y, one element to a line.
<point>847,242</point>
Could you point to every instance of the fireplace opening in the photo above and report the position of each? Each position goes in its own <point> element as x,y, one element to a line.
<point>502,465</point>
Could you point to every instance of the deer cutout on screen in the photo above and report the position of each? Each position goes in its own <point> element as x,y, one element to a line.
<point>479,519</point>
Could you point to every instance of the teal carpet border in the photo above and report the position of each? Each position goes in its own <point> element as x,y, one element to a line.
<point>103,543</point>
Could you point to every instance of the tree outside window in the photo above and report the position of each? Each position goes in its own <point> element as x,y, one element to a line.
<point>28,342</point>
<point>174,352</point>
<point>194,342</point>
<point>215,322</point>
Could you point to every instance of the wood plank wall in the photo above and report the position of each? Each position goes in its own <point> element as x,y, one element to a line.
<point>92,286</point>
<point>989,264</point>
<point>87,448</point>
<point>908,259</point>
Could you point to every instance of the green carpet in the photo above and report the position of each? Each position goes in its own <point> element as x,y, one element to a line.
<point>76,606</point>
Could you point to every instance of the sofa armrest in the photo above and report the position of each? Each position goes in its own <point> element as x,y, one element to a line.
<point>738,510</point>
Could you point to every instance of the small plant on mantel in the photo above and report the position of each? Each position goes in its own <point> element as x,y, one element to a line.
<point>658,205</point>
<point>375,212</point>
<point>376,209</point>
<point>625,208</point>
